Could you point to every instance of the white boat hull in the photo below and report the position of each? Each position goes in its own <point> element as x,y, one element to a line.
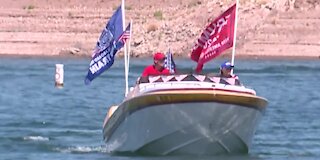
<point>199,128</point>
<point>184,118</point>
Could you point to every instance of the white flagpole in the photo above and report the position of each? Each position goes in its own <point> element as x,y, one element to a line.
<point>125,49</point>
<point>235,34</point>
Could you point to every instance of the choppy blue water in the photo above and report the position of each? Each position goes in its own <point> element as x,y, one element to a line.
<point>39,121</point>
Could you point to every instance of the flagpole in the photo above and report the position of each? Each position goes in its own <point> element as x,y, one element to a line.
<point>129,46</point>
<point>125,49</point>
<point>235,34</point>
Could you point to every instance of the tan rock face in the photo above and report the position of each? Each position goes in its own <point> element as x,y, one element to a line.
<point>63,27</point>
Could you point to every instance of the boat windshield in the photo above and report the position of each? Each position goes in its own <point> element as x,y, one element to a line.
<point>189,77</point>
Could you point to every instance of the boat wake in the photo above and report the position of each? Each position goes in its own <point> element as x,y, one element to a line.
<point>82,149</point>
<point>36,138</point>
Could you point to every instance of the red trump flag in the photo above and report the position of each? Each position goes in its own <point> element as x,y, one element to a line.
<point>217,37</point>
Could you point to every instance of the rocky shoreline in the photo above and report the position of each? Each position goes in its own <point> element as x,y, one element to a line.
<point>267,28</point>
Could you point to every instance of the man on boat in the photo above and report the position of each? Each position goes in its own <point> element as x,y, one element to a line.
<point>225,70</point>
<point>158,66</point>
<point>225,73</point>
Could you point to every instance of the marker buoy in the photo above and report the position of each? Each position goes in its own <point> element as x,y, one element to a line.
<point>59,75</point>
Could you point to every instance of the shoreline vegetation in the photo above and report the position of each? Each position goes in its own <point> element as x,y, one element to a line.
<point>267,29</point>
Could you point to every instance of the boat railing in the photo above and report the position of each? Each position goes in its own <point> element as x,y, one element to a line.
<point>189,77</point>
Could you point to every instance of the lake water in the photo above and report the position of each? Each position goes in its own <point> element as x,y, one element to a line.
<point>39,121</point>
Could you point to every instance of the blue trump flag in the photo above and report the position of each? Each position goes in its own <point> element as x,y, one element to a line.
<point>107,46</point>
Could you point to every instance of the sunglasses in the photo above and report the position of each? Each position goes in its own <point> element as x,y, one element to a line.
<point>161,60</point>
<point>228,69</point>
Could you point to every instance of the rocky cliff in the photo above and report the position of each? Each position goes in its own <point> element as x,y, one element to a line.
<point>285,28</point>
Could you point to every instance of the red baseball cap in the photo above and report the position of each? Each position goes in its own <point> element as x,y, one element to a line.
<point>158,56</point>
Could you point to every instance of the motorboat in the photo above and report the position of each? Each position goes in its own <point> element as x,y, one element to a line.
<point>187,114</point>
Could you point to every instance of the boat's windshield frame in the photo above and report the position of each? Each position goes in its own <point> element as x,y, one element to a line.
<point>189,77</point>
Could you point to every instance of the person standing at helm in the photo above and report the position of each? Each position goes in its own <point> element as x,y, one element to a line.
<point>158,66</point>
<point>225,72</point>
